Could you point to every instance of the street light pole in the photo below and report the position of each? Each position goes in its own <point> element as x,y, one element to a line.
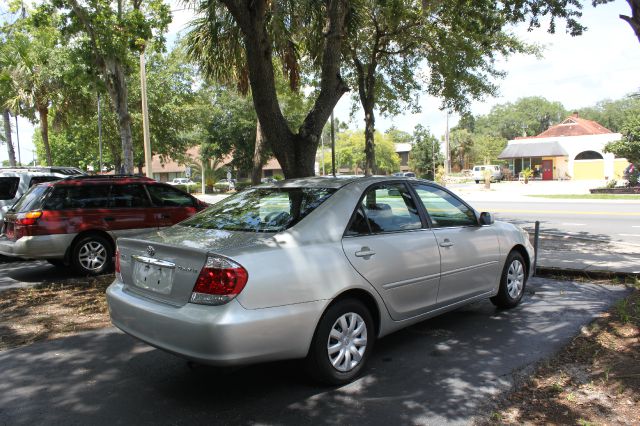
<point>18,141</point>
<point>100,133</point>
<point>145,117</point>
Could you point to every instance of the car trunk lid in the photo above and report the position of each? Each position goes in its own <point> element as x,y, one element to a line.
<point>164,265</point>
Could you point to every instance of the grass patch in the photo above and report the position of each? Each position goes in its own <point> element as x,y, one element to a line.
<point>589,196</point>
<point>53,310</point>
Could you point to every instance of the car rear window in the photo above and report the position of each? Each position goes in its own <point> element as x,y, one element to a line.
<point>261,210</point>
<point>79,197</point>
<point>31,200</point>
<point>8,187</point>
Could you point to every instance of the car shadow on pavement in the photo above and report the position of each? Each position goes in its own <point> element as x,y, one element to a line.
<point>443,370</point>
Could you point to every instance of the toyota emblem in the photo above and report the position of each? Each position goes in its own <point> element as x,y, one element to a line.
<point>151,251</point>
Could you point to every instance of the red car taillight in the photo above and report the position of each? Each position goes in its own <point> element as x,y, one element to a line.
<point>220,280</point>
<point>28,218</point>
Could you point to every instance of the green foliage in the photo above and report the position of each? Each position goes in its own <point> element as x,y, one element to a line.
<point>526,117</point>
<point>527,174</point>
<point>425,154</point>
<point>613,114</point>
<point>350,152</point>
<point>629,146</point>
<point>486,149</point>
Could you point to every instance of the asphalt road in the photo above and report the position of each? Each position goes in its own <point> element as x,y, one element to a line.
<point>441,371</point>
<point>603,220</point>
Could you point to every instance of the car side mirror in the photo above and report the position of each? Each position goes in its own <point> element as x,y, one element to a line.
<point>486,218</point>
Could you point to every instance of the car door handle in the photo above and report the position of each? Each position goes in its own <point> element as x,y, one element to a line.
<point>446,243</point>
<point>365,252</point>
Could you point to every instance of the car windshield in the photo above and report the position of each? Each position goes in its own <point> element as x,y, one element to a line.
<point>31,200</point>
<point>261,210</point>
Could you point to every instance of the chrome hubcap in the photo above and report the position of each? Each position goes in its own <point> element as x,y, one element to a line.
<point>515,279</point>
<point>92,255</point>
<point>347,342</point>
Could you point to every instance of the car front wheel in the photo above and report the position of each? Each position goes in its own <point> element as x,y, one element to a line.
<point>512,282</point>
<point>92,255</point>
<point>342,343</point>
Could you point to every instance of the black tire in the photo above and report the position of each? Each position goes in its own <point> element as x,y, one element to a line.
<point>318,361</point>
<point>92,246</point>
<point>513,282</point>
<point>477,181</point>
<point>58,263</point>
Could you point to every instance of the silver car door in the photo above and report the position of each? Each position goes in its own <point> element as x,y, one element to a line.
<point>469,253</point>
<point>388,245</point>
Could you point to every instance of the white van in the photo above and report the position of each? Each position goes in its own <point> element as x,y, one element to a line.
<point>478,172</point>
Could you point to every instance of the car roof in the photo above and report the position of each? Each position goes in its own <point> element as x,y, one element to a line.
<point>330,181</point>
<point>88,179</point>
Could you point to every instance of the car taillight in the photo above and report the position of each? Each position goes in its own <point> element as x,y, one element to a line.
<point>117,262</point>
<point>220,280</point>
<point>28,218</point>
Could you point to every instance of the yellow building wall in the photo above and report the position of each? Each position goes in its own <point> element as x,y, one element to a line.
<point>588,169</point>
<point>619,164</point>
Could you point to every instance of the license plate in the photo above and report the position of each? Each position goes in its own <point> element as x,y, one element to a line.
<point>152,277</point>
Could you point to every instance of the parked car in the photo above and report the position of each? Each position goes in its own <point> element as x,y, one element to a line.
<point>496,173</point>
<point>182,181</point>
<point>314,268</point>
<point>405,174</point>
<point>15,181</point>
<point>77,220</point>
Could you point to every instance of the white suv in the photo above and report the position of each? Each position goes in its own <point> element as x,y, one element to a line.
<point>478,173</point>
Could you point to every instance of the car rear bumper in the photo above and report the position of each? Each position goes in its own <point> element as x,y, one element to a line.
<point>37,247</point>
<point>216,335</point>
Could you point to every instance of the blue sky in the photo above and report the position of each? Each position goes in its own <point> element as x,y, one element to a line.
<point>603,63</point>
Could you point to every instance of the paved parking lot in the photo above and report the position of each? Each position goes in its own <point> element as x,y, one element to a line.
<point>440,371</point>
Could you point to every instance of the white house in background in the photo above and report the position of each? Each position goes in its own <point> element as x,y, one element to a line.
<point>572,149</point>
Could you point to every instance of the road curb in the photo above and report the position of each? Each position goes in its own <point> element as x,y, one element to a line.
<point>576,237</point>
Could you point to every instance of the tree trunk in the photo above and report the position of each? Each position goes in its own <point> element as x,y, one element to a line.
<point>256,172</point>
<point>43,112</point>
<point>116,83</point>
<point>369,142</point>
<point>634,19</point>
<point>296,153</point>
<point>7,133</point>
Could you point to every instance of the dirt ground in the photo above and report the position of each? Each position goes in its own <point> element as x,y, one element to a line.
<point>593,380</point>
<point>53,310</point>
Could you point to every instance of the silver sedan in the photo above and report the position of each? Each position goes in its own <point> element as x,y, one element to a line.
<point>313,268</point>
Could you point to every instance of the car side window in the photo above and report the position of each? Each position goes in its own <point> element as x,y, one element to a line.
<point>128,196</point>
<point>444,209</point>
<point>385,208</point>
<point>79,197</point>
<point>166,196</point>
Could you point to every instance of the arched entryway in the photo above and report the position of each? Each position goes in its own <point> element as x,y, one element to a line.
<point>588,165</point>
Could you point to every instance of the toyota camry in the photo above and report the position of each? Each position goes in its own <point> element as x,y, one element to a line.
<point>314,268</point>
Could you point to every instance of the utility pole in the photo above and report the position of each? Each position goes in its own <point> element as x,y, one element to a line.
<point>145,117</point>
<point>18,141</point>
<point>333,147</point>
<point>322,144</point>
<point>447,165</point>
<point>100,133</point>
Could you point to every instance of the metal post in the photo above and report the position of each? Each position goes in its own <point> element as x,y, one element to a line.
<point>18,141</point>
<point>322,144</point>
<point>145,118</point>
<point>447,166</point>
<point>535,246</point>
<point>100,134</point>
<point>333,147</point>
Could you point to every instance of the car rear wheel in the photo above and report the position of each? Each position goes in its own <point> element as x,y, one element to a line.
<point>92,255</point>
<point>512,283</point>
<point>342,343</point>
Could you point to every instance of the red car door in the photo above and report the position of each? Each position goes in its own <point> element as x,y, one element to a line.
<point>129,209</point>
<point>171,205</point>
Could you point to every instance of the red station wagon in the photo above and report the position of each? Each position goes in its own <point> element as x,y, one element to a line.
<point>77,220</point>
